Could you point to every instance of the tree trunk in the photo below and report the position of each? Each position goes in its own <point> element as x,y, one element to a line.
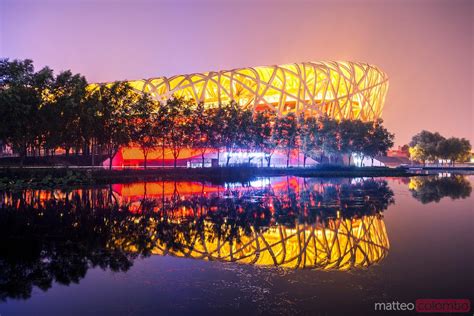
<point>288,159</point>
<point>92,152</point>
<point>202,156</point>
<point>350,156</point>
<point>163,153</point>
<point>372,161</point>
<point>304,161</point>
<point>112,153</point>
<point>145,155</point>
<point>227,162</point>
<point>22,160</point>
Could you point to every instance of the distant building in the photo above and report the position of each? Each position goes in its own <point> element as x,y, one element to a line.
<point>392,162</point>
<point>399,152</point>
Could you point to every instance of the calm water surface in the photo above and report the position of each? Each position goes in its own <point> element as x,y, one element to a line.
<point>282,245</point>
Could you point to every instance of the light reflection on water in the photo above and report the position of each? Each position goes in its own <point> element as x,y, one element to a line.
<point>53,237</point>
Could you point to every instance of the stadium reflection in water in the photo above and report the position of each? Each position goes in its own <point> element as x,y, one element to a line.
<point>56,236</point>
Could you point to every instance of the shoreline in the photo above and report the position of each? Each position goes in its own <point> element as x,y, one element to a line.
<point>47,177</point>
<point>17,178</point>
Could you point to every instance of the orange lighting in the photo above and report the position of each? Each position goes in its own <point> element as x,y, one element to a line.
<point>340,89</point>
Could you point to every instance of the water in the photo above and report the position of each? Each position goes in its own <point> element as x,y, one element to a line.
<point>271,246</point>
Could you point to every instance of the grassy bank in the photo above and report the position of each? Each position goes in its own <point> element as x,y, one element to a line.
<point>243,173</point>
<point>63,177</point>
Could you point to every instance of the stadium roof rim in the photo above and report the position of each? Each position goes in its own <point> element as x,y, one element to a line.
<point>321,62</point>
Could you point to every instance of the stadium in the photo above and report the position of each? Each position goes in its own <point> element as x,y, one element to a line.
<point>342,90</point>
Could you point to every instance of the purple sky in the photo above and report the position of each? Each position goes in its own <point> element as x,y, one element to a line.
<point>426,47</point>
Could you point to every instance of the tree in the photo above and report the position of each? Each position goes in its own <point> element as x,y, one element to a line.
<point>21,98</point>
<point>231,132</point>
<point>143,129</point>
<point>353,137</point>
<point>426,144</point>
<point>262,132</point>
<point>418,153</point>
<point>328,139</point>
<point>63,111</point>
<point>405,149</point>
<point>161,127</point>
<point>246,132</point>
<point>179,125</point>
<point>379,140</point>
<point>454,149</point>
<point>269,146</point>
<point>309,132</point>
<point>464,152</point>
<point>90,122</point>
<point>217,119</point>
<point>201,133</point>
<point>287,132</point>
<point>115,117</point>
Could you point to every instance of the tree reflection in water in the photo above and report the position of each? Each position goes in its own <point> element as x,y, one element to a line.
<point>433,189</point>
<point>56,236</point>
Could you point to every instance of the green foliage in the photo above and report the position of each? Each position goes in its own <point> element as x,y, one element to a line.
<point>201,125</point>
<point>428,146</point>
<point>21,102</point>
<point>427,143</point>
<point>378,140</point>
<point>365,139</point>
<point>179,128</point>
<point>231,133</point>
<point>264,137</point>
<point>354,137</point>
<point>328,139</point>
<point>115,116</point>
<point>309,133</point>
<point>433,189</point>
<point>287,133</point>
<point>454,149</point>
<point>62,111</point>
<point>145,129</point>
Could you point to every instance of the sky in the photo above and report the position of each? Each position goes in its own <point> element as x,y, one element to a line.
<point>425,46</point>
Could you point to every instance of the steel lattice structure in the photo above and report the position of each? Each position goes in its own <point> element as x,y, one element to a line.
<point>339,89</point>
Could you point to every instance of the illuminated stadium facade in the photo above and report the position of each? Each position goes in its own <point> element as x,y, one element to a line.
<point>339,89</point>
<point>342,90</point>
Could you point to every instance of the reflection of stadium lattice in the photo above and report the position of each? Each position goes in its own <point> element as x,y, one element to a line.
<point>342,244</point>
<point>293,223</point>
<point>355,240</point>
